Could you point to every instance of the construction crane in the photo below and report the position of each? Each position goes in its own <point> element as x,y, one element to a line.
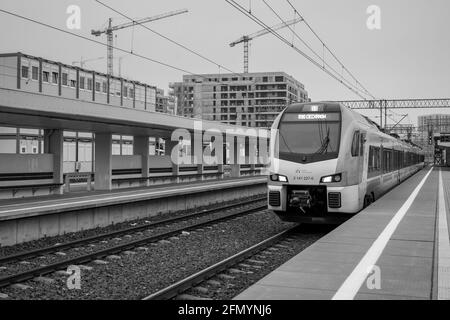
<point>248,38</point>
<point>82,61</point>
<point>110,29</point>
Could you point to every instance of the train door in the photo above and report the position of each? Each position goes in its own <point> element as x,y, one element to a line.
<point>397,166</point>
<point>362,165</point>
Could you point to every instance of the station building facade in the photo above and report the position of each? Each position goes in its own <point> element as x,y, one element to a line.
<point>24,72</point>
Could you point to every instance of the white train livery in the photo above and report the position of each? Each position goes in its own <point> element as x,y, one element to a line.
<point>328,162</point>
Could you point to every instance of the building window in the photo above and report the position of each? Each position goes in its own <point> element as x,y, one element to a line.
<point>97,86</point>
<point>35,73</point>
<point>46,76</point>
<point>125,92</point>
<point>64,79</point>
<point>82,81</point>
<point>279,79</point>
<point>105,87</point>
<point>131,93</point>
<point>55,77</point>
<point>89,84</point>
<point>25,71</point>
<point>73,83</point>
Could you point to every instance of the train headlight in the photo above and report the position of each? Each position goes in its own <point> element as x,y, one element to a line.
<point>332,178</point>
<point>278,177</point>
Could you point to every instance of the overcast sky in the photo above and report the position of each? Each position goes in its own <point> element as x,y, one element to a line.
<point>408,58</point>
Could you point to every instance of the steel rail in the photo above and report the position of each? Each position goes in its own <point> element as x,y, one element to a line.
<point>96,238</point>
<point>60,265</point>
<point>178,288</point>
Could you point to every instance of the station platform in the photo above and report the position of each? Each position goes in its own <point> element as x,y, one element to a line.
<point>27,219</point>
<point>27,207</point>
<point>397,248</point>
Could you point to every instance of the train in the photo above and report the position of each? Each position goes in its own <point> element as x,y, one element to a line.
<point>328,162</point>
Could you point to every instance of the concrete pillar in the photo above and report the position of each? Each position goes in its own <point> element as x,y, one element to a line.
<point>103,162</point>
<point>169,146</point>
<point>54,144</point>
<point>250,153</point>
<point>234,158</point>
<point>141,146</point>
<point>221,166</point>
<point>197,152</point>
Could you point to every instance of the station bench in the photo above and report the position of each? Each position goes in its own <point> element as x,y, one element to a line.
<point>20,185</point>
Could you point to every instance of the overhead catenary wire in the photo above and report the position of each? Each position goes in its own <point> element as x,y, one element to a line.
<point>101,43</point>
<point>329,50</point>
<point>165,37</point>
<point>324,63</point>
<point>276,34</point>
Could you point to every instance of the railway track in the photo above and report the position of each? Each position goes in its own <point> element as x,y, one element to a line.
<point>238,263</point>
<point>255,205</point>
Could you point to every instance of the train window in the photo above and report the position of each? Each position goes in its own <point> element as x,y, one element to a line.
<point>374,159</point>
<point>387,161</point>
<point>371,159</point>
<point>362,138</point>
<point>377,160</point>
<point>355,144</point>
<point>400,160</point>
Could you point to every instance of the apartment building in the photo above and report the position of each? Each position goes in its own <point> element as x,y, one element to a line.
<point>164,103</point>
<point>248,99</point>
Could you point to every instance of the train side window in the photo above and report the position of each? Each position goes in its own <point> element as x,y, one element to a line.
<point>371,159</point>
<point>355,144</point>
<point>387,161</point>
<point>362,138</point>
<point>377,159</point>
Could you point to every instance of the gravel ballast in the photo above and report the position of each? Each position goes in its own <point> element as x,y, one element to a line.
<point>153,267</point>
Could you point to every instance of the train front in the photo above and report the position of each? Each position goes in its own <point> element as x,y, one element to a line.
<point>304,183</point>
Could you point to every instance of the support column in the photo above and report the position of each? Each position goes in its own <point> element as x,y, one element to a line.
<point>141,146</point>
<point>103,161</point>
<point>221,166</point>
<point>234,158</point>
<point>19,70</point>
<point>168,148</point>
<point>197,152</point>
<point>54,144</point>
<point>250,153</point>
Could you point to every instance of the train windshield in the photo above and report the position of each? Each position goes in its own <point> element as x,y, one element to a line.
<point>309,137</point>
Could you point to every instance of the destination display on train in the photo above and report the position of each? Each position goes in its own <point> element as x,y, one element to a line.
<point>311,117</point>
